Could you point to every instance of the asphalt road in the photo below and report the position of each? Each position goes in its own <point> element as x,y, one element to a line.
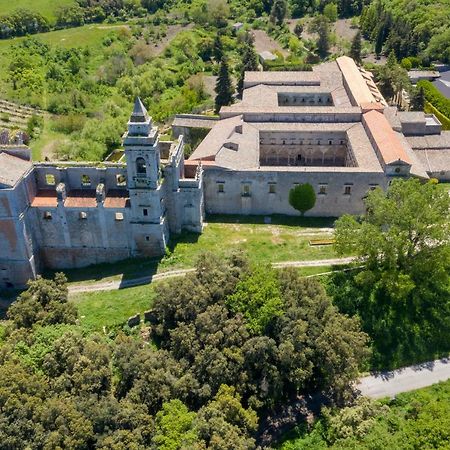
<point>389,384</point>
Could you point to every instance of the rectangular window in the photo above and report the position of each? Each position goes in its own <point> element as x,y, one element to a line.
<point>323,189</point>
<point>47,215</point>
<point>121,180</point>
<point>220,187</point>
<point>272,188</point>
<point>147,238</point>
<point>85,180</point>
<point>83,215</point>
<point>119,216</point>
<point>145,212</point>
<point>347,190</point>
<point>246,190</point>
<point>50,179</point>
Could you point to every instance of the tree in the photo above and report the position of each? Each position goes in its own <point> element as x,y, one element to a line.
<point>44,302</point>
<point>224,87</point>
<point>323,42</point>
<point>355,49</point>
<point>249,63</point>
<point>258,298</point>
<point>174,426</point>
<point>418,99</point>
<point>218,48</point>
<point>278,12</point>
<point>401,295</point>
<point>302,197</point>
<point>298,30</point>
<point>331,12</point>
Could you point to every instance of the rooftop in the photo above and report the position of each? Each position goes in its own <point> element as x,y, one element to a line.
<point>12,169</point>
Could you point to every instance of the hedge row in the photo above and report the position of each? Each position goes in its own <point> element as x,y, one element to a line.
<point>445,121</point>
<point>438,100</point>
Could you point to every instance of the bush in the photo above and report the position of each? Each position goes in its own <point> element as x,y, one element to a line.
<point>302,197</point>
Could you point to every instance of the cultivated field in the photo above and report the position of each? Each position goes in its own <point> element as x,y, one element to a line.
<point>46,7</point>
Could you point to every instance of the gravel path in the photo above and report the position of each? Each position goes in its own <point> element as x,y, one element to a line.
<point>121,284</point>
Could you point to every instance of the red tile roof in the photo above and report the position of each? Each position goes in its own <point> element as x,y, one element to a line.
<point>81,198</point>
<point>388,144</point>
<point>45,198</point>
<point>117,199</point>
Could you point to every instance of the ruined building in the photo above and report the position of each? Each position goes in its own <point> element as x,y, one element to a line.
<point>329,127</point>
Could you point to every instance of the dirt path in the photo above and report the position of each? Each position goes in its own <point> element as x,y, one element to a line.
<point>122,284</point>
<point>263,42</point>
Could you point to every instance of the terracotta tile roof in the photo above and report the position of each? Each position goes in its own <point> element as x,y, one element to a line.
<point>283,78</point>
<point>354,81</point>
<point>81,198</point>
<point>117,199</point>
<point>12,169</point>
<point>386,140</point>
<point>45,198</point>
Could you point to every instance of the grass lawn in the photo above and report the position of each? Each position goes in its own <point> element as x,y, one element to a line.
<point>46,7</point>
<point>109,308</point>
<point>87,35</point>
<point>46,144</point>
<point>285,239</point>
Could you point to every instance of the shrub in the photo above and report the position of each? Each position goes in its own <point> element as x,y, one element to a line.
<point>302,197</point>
<point>438,100</point>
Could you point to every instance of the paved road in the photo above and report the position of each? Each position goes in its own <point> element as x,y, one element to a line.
<point>389,384</point>
<point>121,284</point>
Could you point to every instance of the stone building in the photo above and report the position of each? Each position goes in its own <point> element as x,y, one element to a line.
<point>64,215</point>
<point>329,127</point>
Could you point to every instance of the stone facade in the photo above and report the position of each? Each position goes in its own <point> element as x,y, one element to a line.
<point>66,215</point>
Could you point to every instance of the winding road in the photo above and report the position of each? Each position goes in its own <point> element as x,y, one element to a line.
<point>122,284</point>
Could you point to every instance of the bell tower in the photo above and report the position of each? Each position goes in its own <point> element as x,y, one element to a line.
<point>144,180</point>
<point>141,149</point>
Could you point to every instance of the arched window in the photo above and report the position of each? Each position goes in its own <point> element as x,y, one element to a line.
<point>141,167</point>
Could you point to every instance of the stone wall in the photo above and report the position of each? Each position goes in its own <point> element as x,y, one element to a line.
<point>250,192</point>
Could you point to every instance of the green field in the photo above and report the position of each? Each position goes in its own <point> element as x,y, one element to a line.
<point>90,35</point>
<point>285,239</point>
<point>109,308</point>
<point>46,7</point>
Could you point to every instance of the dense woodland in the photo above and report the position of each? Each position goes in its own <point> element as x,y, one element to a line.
<point>233,343</point>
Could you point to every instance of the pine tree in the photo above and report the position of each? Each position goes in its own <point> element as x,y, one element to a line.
<point>224,87</point>
<point>323,43</point>
<point>278,12</point>
<point>355,50</point>
<point>417,99</point>
<point>249,63</point>
<point>218,48</point>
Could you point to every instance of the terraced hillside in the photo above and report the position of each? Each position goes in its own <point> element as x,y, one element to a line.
<point>14,116</point>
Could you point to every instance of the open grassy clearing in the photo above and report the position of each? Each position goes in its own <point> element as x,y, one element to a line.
<point>109,308</point>
<point>285,239</point>
<point>45,7</point>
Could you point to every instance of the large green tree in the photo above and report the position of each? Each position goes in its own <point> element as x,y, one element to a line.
<point>403,292</point>
<point>355,49</point>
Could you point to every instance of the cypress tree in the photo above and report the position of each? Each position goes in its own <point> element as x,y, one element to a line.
<point>418,99</point>
<point>224,87</point>
<point>218,48</point>
<point>323,43</point>
<point>249,63</point>
<point>355,50</point>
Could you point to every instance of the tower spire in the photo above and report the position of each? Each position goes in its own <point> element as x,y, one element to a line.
<point>139,113</point>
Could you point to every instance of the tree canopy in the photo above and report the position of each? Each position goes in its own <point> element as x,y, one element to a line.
<point>302,197</point>
<point>403,292</point>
